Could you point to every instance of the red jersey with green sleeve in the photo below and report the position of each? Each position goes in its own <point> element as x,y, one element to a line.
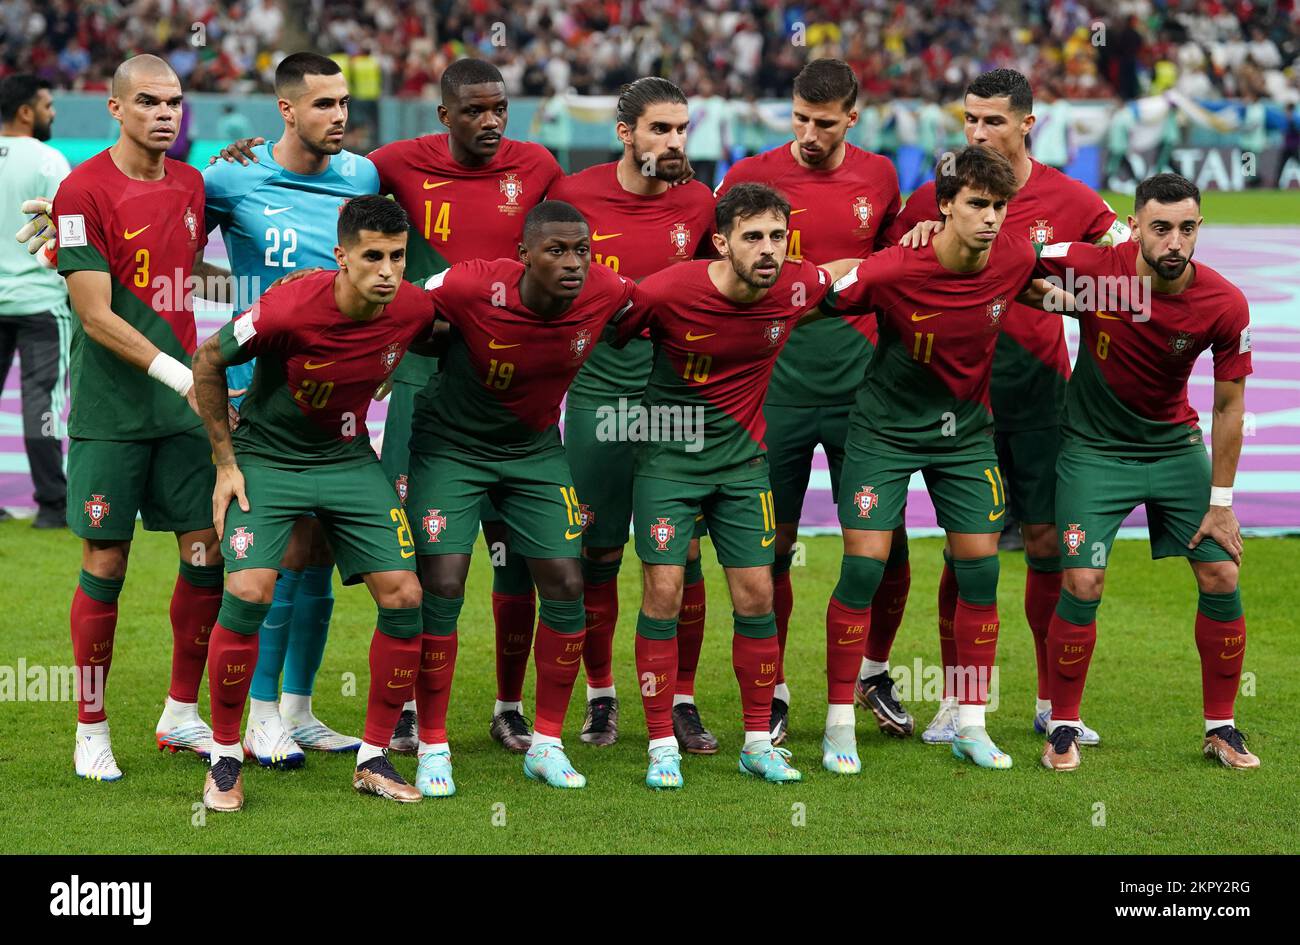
<point>714,358</point>
<point>316,370</point>
<point>1128,395</point>
<point>145,234</point>
<point>636,235</point>
<point>926,391</point>
<point>507,368</point>
<point>458,212</point>
<point>1032,362</point>
<point>838,214</point>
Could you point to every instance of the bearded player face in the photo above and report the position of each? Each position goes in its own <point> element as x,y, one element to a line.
<point>659,140</point>
<point>819,128</point>
<point>374,264</point>
<point>1166,233</point>
<point>756,248</point>
<point>318,113</point>
<point>557,258</point>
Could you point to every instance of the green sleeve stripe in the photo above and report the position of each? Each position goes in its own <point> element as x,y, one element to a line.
<point>81,258</point>
<point>232,352</point>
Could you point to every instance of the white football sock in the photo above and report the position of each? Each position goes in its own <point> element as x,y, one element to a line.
<point>661,743</point>
<point>90,729</point>
<point>683,698</point>
<point>175,711</point>
<point>235,751</point>
<point>408,706</point>
<point>366,752</point>
<point>426,747</point>
<point>507,706</point>
<point>872,668</point>
<point>1211,724</point>
<point>753,739</point>
<point>1042,705</point>
<point>259,711</point>
<point>294,706</point>
<point>604,692</point>
<point>839,715</point>
<point>782,692</point>
<point>968,715</point>
<point>539,740</point>
<point>1054,724</point>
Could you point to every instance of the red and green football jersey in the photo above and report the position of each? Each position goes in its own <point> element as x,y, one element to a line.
<point>507,369</point>
<point>713,359</point>
<point>316,370</point>
<point>458,212</point>
<point>1128,394</point>
<point>1032,362</point>
<point>635,235</point>
<point>145,234</point>
<point>838,214</point>
<point>926,390</point>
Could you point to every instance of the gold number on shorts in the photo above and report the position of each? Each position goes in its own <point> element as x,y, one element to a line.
<point>403,531</point>
<point>794,248</point>
<point>141,268</point>
<point>1103,345</point>
<point>611,261</point>
<point>312,393</point>
<point>929,347</point>
<point>999,490</point>
<point>441,226</point>
<point>769,511</point>
<point>571,506</point>
<point>697,367</point>
<point>500,374</point>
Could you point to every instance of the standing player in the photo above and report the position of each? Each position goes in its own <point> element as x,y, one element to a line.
<point>521,329</point>
<point>323,344</point>
<point>1030,367</point>
<point>276,215</point>
<point>130,221</point>
<point>924,406</point>
<point>1132,438</point>
<point>641,221</point>
<point>844,201</point>
<point>467,193</point>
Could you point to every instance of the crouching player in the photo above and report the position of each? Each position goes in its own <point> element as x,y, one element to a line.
<point>323,343</point>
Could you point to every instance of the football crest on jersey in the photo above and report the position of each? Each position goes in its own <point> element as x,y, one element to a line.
<point>997,308</point>
<point>585,516</point>
<point>389,357</point>
<point>401,487</point>
<point>435,523</point>
<point>580,343</point>
<point>862,210</point>
<point>773,331</point>
<point>1074,537</point>
<point>241,541</point>
<point>866,500</point>
<point>680,237</point>
<point>191,224</point>
<point>1041,232</point>
<point>663,531</point>
<point>96,510</point>
<point>513,188</point>
<point>1181,343</point>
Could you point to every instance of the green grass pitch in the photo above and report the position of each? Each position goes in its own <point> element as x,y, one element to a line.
<point>1146,789</point>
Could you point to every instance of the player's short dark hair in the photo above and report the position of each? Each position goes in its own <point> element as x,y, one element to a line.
<point>294,68</point>
<point>1165,188</point>
<point>976,167</point>
<point>371,212</point>
<point>550,211</point>
<point>1004,83</point>
<point>465,72</point>
<point>635,97</point>
<point>748,200</point>
<point>19,90</point>
<point>827,81</point>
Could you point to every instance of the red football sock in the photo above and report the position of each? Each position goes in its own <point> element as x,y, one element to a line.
<point>887,614</point>
<point>1222,645</point>
<point>513,616</point>
<point>601,603</point>
<point>947,613</point>
<point>93,624</point>
<point>433,688</point>
<point>845,630</point>
<point>783,604</point>
<point>975,632</point>
<point>657,659</point>
<point>690,636</point>
<point>558,656</point>
<point>754,660</point>
<point>193,612</point>
<point>394,664</point>
<point>1042,591</point>
<point>1069,653</point>
<point>231,658</point>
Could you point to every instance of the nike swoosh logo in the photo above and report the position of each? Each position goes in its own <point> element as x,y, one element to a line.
<point>1222,656</point>
<point>198,641</point>
<point>1111,318</point>
<point>577,659</point>
<point>514,652</point>
<point>311,367</point>
<point>849,641</point>
<point>441,183</point>
<point>767,542</point>
<point>127,234</point>
<point>272,211</point>
<point>102,659</point>
<point>597,237</point>
<point>408,554</point>
<point>496,346</point>
<point>398,686</point>
<point>759,682</point>
<point>994,516</point>
<point>920,318</point>
<point>800,210</point>
<point>570,534</point>
<point>233,682</point>
<point>982,640</point>
<point>436,669</point>
<point>691,336</point>
<point>1065,662</point>
<point>896,610</point>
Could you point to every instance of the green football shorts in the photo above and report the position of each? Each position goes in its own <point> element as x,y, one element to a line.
<point>602,474</point>
<point>740,516</point>
<point>792,436</point>
<point>1028,461</point>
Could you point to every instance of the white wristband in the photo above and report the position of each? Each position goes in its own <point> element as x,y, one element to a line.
<point>171,372</point>
<point>1221,495</point>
